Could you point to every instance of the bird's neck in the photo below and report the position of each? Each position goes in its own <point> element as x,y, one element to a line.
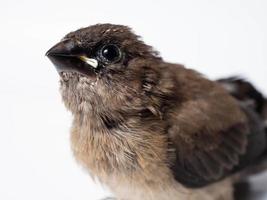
<point>116,152</point>
<point>102,149</point>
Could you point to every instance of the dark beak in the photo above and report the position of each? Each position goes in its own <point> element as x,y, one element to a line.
<point>67,56</point>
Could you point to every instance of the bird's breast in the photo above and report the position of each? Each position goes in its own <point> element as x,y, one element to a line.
<point>116,156</point>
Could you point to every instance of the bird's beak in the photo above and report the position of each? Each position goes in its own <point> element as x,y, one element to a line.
<point>67,56</point>
<point>90,61</point>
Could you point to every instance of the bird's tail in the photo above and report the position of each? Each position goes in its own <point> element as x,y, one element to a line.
<point>253,100</point>
<point>245,92</point>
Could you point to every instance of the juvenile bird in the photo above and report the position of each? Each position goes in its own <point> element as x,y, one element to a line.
<point>153,130</point>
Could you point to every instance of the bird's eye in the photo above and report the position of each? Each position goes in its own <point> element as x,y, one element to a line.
<point>110,53</point>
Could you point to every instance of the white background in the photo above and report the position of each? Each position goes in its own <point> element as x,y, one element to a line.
<point>217,38</point>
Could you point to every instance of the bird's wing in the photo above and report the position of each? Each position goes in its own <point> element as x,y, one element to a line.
<point>208,140</point>
<point>200,163</point>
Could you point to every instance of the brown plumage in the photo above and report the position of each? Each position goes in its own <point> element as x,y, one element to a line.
<point>149,129</point>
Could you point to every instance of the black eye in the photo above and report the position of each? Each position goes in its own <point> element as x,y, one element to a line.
<point>110,53</point>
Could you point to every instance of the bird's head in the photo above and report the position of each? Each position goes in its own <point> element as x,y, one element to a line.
<point>103,64</point>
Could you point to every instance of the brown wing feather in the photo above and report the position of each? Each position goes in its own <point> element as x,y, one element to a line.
<point>210,162</point>
<point>208,131</point>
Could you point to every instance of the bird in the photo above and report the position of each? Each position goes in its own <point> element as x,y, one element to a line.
<point>152,130</point>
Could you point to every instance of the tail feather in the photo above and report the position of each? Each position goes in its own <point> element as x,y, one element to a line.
<point>264,115</point>
<point>254,101</point>
<point>245,92</point>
